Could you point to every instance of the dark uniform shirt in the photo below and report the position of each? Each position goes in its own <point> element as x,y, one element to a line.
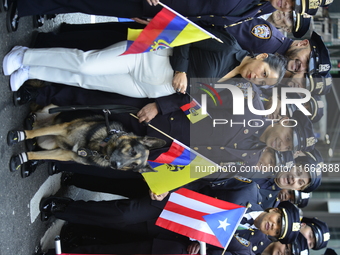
<point>258,35</point>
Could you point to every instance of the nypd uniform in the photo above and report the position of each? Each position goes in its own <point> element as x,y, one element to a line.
<point>258,35</point>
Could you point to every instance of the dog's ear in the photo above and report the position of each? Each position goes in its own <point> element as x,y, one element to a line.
<point>146,169</point>
<point>152,142</point>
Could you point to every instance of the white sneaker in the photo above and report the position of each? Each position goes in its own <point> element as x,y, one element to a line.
<point>13,60</point>
<point>19,77</point>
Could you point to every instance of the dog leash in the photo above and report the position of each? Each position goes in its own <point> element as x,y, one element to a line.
<point>111,107</point>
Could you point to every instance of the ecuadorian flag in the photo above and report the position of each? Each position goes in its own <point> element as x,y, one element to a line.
<point>193,111</point>
<point>176,167</point>
<point>165,30</point>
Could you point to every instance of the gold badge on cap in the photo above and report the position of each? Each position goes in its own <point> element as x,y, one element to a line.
<point>319,85</point>
<point>296,226</point>
<point>310,141</point>
<point>262,31</point>
<point>321,104</point>
<point>314,4</point>
<point>324,67</point>
<point>326,237</point>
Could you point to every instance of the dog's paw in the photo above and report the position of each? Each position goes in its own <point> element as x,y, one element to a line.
<point>17,161</point>
<point>14,137</point>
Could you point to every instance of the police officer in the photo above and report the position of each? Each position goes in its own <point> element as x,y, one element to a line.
<point>290,218</point>
<point>316,232</point>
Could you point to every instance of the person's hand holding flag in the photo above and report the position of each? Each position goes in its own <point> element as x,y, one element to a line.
<point>153,2</point>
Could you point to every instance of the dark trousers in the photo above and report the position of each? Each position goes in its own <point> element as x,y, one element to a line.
<point>85,36</point>
<point>117,8</point>
<point>132,215</point>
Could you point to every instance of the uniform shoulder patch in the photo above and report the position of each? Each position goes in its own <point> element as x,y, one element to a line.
<point>262,31</point>
<point>242,241</point>
<point>243,179</point>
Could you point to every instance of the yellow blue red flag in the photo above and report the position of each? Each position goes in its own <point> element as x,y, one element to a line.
<point>176,167</point>
<point>193,111</point>
<point>165,30</point>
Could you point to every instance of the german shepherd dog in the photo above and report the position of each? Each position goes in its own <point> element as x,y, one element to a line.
<point>85,141</point>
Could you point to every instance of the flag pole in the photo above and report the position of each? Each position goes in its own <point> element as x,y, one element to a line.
<point>192,23</point>
<point>248,206</point>
<point>160,131</point>
<point>203,248</point>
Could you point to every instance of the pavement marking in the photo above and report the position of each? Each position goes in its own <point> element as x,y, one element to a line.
<point>48,188</point>
<point>93,18</point>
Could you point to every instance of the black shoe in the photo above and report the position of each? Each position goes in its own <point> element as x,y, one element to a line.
<point>25,95</point>
<point>29,167</point>
<point>52,168</point>
<point>50,205</point>
<point>29,121</point>
<point>66,179</point>
<point>6,3</point>
<point>12,17</point>
<point>16,161</point>
<point>14,137</point>
<point>38,20</point>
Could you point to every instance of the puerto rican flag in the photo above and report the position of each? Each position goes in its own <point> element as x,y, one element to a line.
<point>201,217</point>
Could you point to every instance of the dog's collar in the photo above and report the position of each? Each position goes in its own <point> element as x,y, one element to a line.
<point>111,133</point>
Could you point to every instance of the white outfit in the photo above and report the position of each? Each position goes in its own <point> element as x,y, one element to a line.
<point>136,75</point>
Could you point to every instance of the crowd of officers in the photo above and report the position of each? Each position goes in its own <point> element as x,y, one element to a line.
<point>127,226</point>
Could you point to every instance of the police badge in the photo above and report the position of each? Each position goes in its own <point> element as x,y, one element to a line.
<point>262,31</point>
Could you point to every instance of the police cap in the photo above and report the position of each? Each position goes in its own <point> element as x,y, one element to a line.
<point>313,162</point>
<point>310,7</point>
<point>320,230</point>
<point>301,198</point>
<point>300,246</point>
<point>317,107</point>
<point>319,85</point>
<point>290,224</point>
<point>301,24</point>
<point>319,61</point>
<point>303,134</point>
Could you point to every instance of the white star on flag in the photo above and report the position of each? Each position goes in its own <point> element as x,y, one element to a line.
<point>223,224</point>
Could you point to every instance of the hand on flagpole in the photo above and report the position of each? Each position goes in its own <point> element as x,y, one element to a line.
<point>193,248</point>
<point>147,113</point>
<point>142,21</point>
<point>179,82</point>
<point>153,2</point>
<point>160,197</point>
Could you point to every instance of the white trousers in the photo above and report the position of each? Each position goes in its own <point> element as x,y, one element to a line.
<point>136,75</point>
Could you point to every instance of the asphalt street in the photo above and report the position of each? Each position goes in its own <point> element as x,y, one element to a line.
<point>21,229</point>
